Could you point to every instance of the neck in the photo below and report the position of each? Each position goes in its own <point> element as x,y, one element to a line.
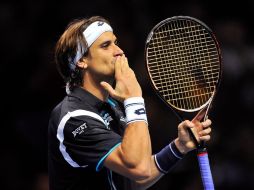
<point>96,89</point>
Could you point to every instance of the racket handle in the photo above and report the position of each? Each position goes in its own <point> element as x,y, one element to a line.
<point>205,170</point>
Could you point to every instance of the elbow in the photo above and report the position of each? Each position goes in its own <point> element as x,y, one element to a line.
<point>141,173</point>
<point>139,170</point>
<point>141,178</point>
<point>145,173</point>
<point>137,167</point>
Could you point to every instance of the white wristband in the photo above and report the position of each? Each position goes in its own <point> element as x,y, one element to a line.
<point>135,110</point>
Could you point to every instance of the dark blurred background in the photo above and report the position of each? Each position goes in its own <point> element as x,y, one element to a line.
<point>31,86</point>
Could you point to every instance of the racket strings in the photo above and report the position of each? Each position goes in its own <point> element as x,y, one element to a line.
<point>183,63</point>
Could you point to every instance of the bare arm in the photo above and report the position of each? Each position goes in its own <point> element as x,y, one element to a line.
<point>133,158</point>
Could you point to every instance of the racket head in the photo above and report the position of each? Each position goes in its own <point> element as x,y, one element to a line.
<point>183,62</point>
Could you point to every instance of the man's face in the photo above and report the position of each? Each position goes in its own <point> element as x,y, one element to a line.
<point>102,56</point>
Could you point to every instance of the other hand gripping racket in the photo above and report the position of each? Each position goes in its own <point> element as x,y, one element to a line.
<point>183,61</point>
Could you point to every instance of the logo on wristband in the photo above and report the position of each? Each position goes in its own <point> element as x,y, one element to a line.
<point>140,111</point>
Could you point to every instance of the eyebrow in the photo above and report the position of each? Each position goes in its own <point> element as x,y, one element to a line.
<point>107,42</point>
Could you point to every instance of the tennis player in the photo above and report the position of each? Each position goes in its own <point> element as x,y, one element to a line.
<point>98,134</point>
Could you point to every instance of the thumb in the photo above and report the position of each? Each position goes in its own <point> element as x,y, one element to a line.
<point>190,127</point>
<point>186,124</point>
<point>108,88</point>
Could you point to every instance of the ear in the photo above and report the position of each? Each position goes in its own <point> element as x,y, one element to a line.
<point>82,63</point>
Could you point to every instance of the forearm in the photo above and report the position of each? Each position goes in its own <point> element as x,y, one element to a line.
<point>136,146</point>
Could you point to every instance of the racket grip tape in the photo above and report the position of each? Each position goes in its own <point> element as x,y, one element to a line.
<point>205,170</point>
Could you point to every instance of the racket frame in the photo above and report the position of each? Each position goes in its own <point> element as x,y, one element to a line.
<point>208,102</point>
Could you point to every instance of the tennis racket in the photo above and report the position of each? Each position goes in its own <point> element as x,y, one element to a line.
<point>183,61</point>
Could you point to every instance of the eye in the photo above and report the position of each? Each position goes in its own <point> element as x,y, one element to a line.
<point>105,45</point>
<point>116,43</point>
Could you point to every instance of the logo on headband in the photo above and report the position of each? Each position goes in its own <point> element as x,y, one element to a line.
<point>100,23</point>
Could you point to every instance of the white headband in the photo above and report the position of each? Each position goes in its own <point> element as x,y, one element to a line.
<point>91,33</point>
<point>94,30</point>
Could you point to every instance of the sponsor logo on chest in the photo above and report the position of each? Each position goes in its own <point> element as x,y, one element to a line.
<point>107,118</point>
<point>79,130</point>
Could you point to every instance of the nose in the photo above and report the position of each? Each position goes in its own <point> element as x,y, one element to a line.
<point>118,51</point>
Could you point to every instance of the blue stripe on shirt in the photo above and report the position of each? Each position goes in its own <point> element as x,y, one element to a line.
<point>99,165</point>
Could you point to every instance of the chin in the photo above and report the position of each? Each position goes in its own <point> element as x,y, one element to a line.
<point>110,76</point>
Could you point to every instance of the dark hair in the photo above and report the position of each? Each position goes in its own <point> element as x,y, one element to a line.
<point>67,47</point>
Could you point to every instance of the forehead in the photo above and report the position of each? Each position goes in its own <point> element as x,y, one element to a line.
<point>106,36</point>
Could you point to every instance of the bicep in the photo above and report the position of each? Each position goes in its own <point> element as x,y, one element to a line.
<point>116,163</point>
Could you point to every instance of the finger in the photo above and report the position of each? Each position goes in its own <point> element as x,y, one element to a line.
<point>206,123</point>
<point>205,138</point>
<point>108,88</point>
<point>124,64</point>
<point>187,124</point>
<point>205,132</point>
<point>118,70</point>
